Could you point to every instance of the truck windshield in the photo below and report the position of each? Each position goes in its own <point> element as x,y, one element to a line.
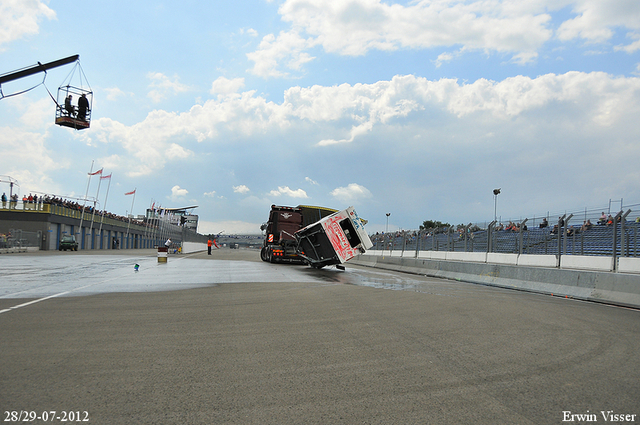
<point>350,232</point>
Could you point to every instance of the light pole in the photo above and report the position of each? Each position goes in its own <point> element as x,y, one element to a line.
<point>496,192</point>
<point>387,228</point>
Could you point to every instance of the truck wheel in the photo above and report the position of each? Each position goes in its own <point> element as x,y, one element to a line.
<point>263,253</point>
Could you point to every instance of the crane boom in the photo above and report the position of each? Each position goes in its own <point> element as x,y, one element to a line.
<point>37,68</point>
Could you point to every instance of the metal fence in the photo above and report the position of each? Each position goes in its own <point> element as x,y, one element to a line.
<point>17,238</point>
<point>614,236</point>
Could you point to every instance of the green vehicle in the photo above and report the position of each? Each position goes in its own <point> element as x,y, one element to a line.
<point>68,242</point>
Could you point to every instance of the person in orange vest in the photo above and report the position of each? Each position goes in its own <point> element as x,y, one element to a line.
<point>209,243</point>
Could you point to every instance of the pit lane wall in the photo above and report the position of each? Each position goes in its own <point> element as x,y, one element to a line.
<point>581,277</point>
<point>190,247</point>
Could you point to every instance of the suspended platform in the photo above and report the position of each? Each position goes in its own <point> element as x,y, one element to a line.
<point>74,106</point>
<point>71,122</point>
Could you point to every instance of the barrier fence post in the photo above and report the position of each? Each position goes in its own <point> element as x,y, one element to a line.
<point>490,236</point>
<point>522,234</point>
<point>565,233</point>
<point>559,236</point>
<point>404,240</point>
<point>623,235</point>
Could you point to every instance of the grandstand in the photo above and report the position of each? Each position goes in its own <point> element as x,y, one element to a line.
<point>617,238</point>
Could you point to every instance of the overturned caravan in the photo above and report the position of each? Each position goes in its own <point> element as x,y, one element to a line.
<point>333,240</point>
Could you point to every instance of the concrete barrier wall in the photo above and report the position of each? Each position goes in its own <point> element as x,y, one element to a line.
<point>592,285</point>
<point>583,262</point>
<point>629,265</point>
<point>438,255</point>
<point>497,258</point>
<point>189,247</point>
<point>536,260</point>
<point>578,262</point>
<point>424,254</point>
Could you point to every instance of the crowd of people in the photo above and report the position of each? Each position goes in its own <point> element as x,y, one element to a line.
<point>36,203</point>
<point>605,220</point>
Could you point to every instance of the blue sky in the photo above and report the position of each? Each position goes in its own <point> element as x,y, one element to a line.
<point>416,108</point>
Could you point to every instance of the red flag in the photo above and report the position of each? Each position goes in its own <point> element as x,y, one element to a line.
<point>131,193</point>
<point>97,172</point>
<point>106,177</point>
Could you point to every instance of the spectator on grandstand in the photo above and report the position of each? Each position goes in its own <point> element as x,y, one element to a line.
<point>544,223</point>
<point>570,231</point>
<point>586,225</point>
<point>560,222</point>
<point>554,231</point>
<point>603,218</point>
<point>609,220</point>
<point>500,227</point>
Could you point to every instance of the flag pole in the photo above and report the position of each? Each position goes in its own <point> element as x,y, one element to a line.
<point>104,209</point>
<point>131,212</point>
<point>93,213</point>
<point>83,204</point>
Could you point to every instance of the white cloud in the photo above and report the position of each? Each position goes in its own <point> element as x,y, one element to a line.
<point>241,189</point>
<point>310,180</point>
<point>444,57</point>
<point>355,131</point>
<point>224,86</point>
<point>249,31</point>
<point>21,18</point>
<point>28,147</point>
<point>354,27</point>
<point>114,93</point>
<point>210,194</point>
<point>175,151</point>
<point>162,86</point>
<point>285,191</point>
<point>633,47</point>
<point>596,20</point>
<point>287,48</point>
<point>351,194</point>
<point>177,193</point>
<point>326,111</point>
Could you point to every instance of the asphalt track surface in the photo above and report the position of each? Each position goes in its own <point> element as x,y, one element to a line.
<point>227,339</point>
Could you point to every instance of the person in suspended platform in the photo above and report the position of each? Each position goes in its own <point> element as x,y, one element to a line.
<point>68,106</point>
<point>83,106</point>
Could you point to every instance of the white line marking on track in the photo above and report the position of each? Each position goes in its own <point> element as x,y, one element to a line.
<point>15,307</point>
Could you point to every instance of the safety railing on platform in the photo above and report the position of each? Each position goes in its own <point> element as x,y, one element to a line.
<point>64,211</point>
